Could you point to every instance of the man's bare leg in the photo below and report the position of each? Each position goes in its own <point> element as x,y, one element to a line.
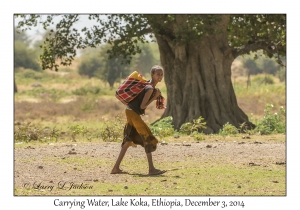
<point>152,169</point>
<point>116,169</point>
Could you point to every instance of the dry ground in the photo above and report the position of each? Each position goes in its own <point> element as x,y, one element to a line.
<point>90,162</point>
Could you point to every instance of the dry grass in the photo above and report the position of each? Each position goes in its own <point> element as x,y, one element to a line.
<point>95,107</point>
<point>81,109</point>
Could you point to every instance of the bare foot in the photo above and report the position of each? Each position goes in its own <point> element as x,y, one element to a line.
<point>118,171</point>
<point>156,172</point>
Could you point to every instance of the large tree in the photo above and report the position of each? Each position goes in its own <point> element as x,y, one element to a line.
<point>196,52</point>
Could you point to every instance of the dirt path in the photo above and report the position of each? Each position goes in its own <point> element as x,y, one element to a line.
<point>93,161</point>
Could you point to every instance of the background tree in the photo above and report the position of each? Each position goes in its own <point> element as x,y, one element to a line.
<point>24,55</point>
<point>145,60</point>
<point>196,52</point>
<point>270,66</point>
<point>95,63</point>
<point>90,62</point>
<point>251,68</point>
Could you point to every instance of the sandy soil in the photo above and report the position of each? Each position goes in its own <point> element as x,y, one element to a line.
<point>33,163</point>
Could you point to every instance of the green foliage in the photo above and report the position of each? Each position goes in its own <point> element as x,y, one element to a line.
<point>113,129</point>
<point>271,123</point>
<point>228,130</point>
<point>257,63</point>
<point>124,31</point>
<point>95,63</point>
<point>29,132</point>
<point>249,29</point>
<point>77,130</point>
<point>30,74</point>
<point>199,136</point>
<point>191,127</point>
<point>163,127</point>
<point>143,62</point>
<point>281,74</point>
<point>89,65</point>
<point>270,66</point>
<point>87,89</point>
<point>252,67</point>
<point>25,57</point>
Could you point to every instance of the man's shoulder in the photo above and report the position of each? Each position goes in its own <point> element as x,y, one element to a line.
<point>148,87</point>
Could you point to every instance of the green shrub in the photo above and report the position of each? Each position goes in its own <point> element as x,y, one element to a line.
<point>163,127</point>
<point>194,126</point>
<point>25,57</point>
<point>30,74</point>
<point>29,132</point>
<point>271,123</point>
<point>228,129</point>
<point>113,129</point>
<point>77,130</point>
<point>199,136</point>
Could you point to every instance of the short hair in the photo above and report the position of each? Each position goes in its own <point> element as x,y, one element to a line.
<point>155,68</point>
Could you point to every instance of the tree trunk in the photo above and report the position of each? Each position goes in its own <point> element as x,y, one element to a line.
<point>15,86</point>
<point>198,81</point>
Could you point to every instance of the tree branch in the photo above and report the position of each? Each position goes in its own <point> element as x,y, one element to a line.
<point>269,48</point>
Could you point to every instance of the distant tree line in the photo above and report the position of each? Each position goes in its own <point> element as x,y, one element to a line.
<point>253,64</point>
<point>92,62</point>
<point>95,63</point>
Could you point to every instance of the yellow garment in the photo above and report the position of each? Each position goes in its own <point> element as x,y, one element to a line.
<point>137,76</point>
<point>136,131</point>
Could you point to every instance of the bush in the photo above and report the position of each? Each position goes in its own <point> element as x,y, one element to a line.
<point>163,127</point>
<point>77,130</point>
<point>271,123</point>
<point>191,127</point>
<point>89,65</point>
<point>30,74</point>
<point>113,129</point>
<point>199,136</point>
<point>228,129</point>
<point>29,132</point>
<point>25,57</point>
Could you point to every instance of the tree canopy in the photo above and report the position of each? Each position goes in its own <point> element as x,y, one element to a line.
<point>246,33</point>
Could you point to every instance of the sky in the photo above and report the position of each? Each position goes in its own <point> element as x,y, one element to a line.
<point>8,201</point>
<point>37,32</point>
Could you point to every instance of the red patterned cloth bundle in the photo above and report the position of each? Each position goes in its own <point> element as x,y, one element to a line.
<point>132,86</point>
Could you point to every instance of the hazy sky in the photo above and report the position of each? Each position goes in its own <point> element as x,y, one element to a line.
<point>37,32</point>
